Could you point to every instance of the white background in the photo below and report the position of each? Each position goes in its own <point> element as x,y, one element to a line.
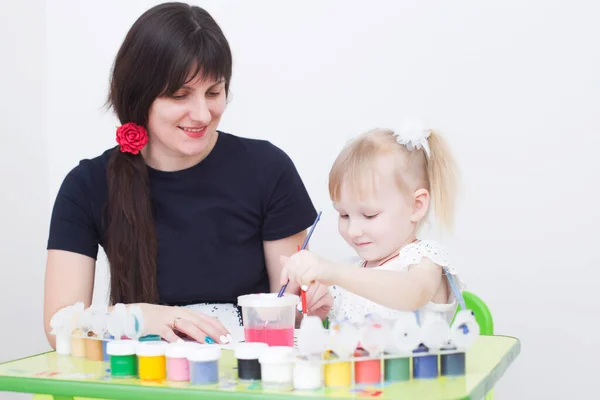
<point>513,84</point>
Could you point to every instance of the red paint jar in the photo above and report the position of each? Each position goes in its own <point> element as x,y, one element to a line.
<point>366,372</point>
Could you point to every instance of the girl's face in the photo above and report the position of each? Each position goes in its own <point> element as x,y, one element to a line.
<point>379,223</point>
<point>183,128</point>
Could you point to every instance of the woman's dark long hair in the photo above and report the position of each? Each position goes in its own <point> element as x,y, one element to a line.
<point>166,47</point>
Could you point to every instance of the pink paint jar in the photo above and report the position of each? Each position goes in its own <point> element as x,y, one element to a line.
<point>178,366</point>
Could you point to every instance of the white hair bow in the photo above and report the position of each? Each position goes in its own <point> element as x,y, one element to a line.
<point>414,135</point>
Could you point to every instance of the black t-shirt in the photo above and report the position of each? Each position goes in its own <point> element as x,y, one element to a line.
<point>211,219</point>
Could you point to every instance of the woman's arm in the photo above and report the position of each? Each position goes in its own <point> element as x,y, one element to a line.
<point>69,279</point>
<point>274,249</point>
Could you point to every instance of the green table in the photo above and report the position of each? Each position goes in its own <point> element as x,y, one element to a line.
<point>66,377</point>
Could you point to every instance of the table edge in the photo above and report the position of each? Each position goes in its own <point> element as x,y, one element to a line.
<point>126,392</point>
<point>499,370</point>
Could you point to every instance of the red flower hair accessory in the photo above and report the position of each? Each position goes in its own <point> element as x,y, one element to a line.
<point>132,137</point>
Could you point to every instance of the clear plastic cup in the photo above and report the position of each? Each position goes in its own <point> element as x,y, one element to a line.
<point>268,318</point>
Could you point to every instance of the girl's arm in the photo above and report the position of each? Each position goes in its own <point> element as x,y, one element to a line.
<point>400,290</point>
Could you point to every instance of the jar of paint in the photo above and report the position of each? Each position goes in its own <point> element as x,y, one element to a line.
<point>247,355</point>
<point>77,344</point>
<point>277,367</point>
<point>63,343</point>
<point>367,370</point>
<point>425,366</point>
<point>308,373</point>
<point>62,324</point>
<point>178,366</point>
<point>107,339</point>
<point>268,318</point>
<point>338,372</point>
<point>396,368</point>
<point>151,360</point>
<point>93,347</point>
<point>123,360</point>
<point>204,364</point>
<point>452,362</point>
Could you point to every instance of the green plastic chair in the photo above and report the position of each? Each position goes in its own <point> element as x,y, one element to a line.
<point>483,315</point>
<point>484,319</point>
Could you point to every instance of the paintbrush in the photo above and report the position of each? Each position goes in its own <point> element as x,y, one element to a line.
<point>312,228</point>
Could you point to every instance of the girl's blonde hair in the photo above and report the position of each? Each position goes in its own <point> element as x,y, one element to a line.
<point>356,166</point>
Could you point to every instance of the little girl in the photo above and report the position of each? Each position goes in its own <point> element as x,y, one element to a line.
<point>384,184</point>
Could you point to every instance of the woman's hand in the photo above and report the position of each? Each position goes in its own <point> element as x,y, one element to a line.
<point>171,323</point>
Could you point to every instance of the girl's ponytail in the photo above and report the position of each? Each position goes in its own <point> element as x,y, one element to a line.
<point>443,179</point>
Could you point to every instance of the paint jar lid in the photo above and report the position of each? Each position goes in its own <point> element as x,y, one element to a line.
<point>268,300</point>
<point>421,349</point>
<point>63,322</point>
<point>249,350</point>
<point>311,360</point>
<point>202,353</point>
<point>277,355</point>
<point>151,349</point>
<point>121,348</point>
<point>435,332</point>
<point>115,321</point>
<point>149,338</point>
<point>178,349</point>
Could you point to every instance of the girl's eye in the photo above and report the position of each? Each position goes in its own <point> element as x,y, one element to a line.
<point>213,94</point>
<point>343,216</point>
<point>371,216</point>
<point>178,96</point>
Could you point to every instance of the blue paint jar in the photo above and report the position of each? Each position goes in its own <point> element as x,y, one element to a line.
<point>204,364</point>
<point>425,367</point>
<point>107,338</point>
<point>452,364</point>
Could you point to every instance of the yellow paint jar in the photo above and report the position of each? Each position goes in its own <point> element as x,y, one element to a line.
<point>77,344</point>
<point>93,348</point>
<point>152,363</point>
<point>337,373</point>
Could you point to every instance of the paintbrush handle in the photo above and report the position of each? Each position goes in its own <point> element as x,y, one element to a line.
<point>310,232</point>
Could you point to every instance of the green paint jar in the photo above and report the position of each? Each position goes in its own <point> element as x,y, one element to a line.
<point>123,360</point>
<point>397,369</point>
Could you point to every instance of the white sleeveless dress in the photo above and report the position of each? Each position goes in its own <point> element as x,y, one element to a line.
<point>354,308</point>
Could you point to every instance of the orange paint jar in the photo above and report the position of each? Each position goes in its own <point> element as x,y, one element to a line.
<point>93,348</point>
<point>152,363</point>
<point>77,344</point>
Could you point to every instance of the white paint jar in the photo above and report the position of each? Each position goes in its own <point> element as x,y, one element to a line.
<point>63,343</point>
<point>308,373</point>
<point>277,367</point>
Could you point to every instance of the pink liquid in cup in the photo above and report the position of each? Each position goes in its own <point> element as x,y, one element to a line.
<point>270,336</point>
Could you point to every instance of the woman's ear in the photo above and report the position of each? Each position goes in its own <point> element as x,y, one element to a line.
<point>420,205</point>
